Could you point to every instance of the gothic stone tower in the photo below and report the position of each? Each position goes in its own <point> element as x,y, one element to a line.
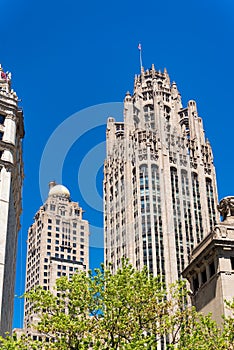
<point>11,178</point>
<point>159,179</point>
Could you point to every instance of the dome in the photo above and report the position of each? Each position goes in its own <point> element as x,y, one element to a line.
<point>59,190</point>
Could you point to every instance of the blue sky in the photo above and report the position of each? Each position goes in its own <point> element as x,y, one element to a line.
<point>69,55</point>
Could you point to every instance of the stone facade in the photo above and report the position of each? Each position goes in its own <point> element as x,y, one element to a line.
<point>58,245</point>
<point>11,178</point>
<point>159,179</point>
<point>211,268</point>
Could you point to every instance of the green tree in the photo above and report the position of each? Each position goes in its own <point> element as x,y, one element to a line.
<point>128,310</point>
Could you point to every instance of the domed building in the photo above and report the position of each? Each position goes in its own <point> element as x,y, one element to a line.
<point>58,244</point>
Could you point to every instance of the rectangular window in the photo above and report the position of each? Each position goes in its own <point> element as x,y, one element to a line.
<point>57,229</point>
<point>49,227</point>
<point>203,276</point>
<point>57,222</point>
<point>232,262</point>
<point>1,135</point>
<point>2,119</point>
<point>212,268</point>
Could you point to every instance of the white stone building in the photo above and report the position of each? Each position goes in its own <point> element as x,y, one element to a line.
<point>11,178</point>
<point>160,191</point>
<point>211,267</point>
<point>58,245</point>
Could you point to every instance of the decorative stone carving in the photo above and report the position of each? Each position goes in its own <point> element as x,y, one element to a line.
<point>226,207</point>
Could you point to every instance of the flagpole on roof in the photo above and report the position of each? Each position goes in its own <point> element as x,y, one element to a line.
<point>140,49</point>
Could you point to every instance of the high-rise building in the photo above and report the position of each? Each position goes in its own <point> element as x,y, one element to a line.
<point>159,179</point>
<point>211,267</point>
<point>58,244</point>
<point>11,178</point>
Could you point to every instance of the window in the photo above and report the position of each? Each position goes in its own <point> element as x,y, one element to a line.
<point>57,222</point>
<point>212,268</point>
<point>195,283</point>
<point>49,234</point>
<point>203,276</point>
<point>52,207</point>
<point>2,119</point>
<point>57,236</point>
<point>57,229</point>
<point>82,234</point>
<point>232,262</point>
<point>49,227</point>
<point>82,227</point>
<point>49,221</point>
<point>1,135</point>
<point>48,240</point>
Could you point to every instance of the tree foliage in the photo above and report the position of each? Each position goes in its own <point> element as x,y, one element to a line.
<point>128,310</point>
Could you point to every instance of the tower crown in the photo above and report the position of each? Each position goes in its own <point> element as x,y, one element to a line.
<point>60,191</point>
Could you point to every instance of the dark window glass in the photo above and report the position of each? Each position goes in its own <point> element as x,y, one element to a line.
<point>212,268</point>
<point>203,276</point>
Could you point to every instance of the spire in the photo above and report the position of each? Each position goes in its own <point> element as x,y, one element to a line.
<point>140,51</point>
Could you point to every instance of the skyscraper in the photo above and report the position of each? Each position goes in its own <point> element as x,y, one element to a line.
<point>58,244</point>
<point>159,179</point>
<point>11,178</point>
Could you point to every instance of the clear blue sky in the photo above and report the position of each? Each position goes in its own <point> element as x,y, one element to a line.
<point>69,55</point>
